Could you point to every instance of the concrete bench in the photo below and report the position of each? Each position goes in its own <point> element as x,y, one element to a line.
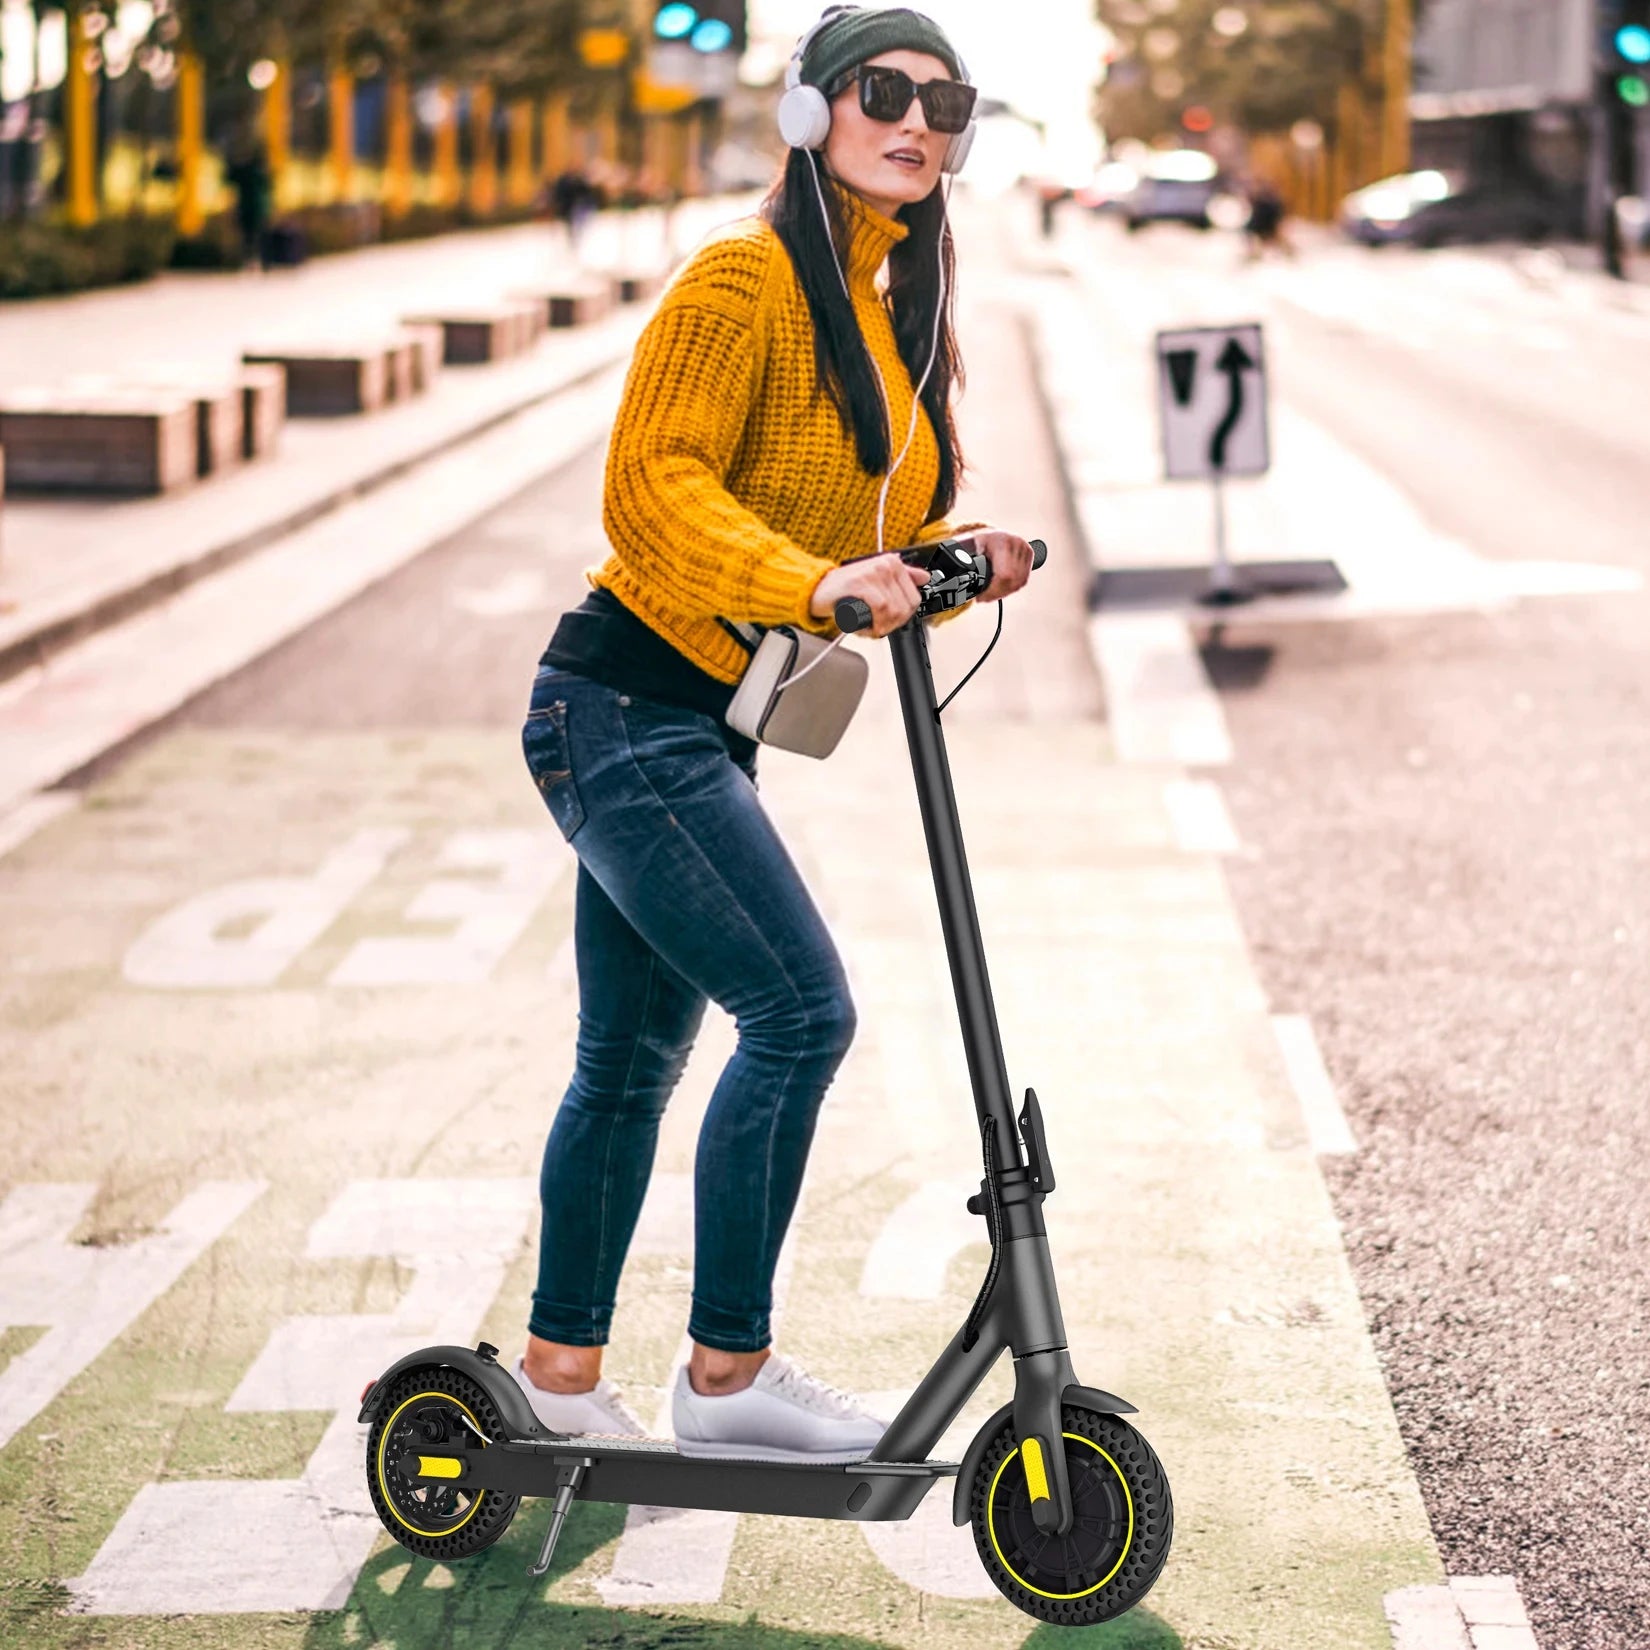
<point>487,333</point>
<point>263,408</point>
<point>107,441</point>
<point>220,413</point>
<point>635,285</point>
<point>398,370</point>
<point>241,411</point>
<point>574,304</point>
<point>329,381</point>
<point>428,346</point>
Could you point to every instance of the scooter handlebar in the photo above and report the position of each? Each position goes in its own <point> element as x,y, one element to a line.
<point>853,613</point>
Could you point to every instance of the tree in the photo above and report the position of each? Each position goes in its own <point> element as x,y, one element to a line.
<point>1260,66</point>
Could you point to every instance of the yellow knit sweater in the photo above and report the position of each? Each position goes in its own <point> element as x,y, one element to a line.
<point>732,485</point>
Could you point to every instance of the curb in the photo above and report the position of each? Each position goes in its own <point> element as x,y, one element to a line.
<point>57,633</point>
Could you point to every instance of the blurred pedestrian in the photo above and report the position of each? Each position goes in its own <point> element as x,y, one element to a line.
<point>248,174</point>
<point>785,428</point>
<point>573,199</point>
<point>1264,231</point>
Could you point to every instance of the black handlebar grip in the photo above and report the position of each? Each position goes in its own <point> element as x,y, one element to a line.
<point>853,614</point>
<point>1039,554</point>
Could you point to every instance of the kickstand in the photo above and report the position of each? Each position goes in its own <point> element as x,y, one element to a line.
<point>568,1474</point>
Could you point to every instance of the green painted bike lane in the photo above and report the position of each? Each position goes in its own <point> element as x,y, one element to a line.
<point>284,1020</point>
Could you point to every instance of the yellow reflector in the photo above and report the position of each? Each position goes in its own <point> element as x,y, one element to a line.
<point>1036,1478</point>
<point>439,1466</point>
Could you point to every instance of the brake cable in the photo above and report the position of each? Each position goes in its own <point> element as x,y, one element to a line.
<point>977,663</point>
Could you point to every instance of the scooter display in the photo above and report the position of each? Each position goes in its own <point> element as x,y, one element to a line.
<point>1071,1511</point>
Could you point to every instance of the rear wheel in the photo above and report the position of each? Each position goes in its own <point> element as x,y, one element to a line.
<point>1120,1535</point>
<point>430,1412</point>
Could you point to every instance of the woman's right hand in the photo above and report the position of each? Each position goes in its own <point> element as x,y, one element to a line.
<point>891,588</point>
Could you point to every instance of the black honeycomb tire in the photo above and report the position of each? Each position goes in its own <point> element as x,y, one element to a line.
<point>428,1408</point>
<point>1115,1551</point>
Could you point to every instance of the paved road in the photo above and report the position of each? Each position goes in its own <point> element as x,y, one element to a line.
<point>1449,872</point>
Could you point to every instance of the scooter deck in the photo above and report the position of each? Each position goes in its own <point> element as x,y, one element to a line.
<point>650,1472</point>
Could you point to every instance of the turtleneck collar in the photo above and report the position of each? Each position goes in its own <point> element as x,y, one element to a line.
<point>872,236</point>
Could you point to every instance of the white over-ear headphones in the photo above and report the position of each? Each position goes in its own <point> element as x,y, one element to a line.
<point>805,115</point>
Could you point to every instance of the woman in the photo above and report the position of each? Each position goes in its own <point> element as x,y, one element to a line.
<point>746,467</point>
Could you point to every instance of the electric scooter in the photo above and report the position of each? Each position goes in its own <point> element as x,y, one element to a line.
<point>1070,1507</point>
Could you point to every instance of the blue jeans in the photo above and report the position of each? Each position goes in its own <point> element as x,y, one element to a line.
<point>685,895</point>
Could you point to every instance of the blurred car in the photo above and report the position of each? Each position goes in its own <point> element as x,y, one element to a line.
<point>1176,186</point>
<point>1433,208</point>
<point>1109,189</point>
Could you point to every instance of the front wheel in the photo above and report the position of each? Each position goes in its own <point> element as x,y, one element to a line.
<point>425,1413</point>
<point>1119,1539</point>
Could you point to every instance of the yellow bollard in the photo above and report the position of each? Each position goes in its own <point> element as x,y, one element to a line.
<point>277,126</point>
<point>446,149</point>
<point>398,147</point>
<point>521,152</point>
<point>341,120</point>
<point>557,138</point>
<point>191,99</point>
<point>80,126</point>
<point>1400,28</point>
<point>483,152</point>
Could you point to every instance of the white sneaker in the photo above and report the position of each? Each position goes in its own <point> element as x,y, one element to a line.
<point>601,1412</point>
<point>784,1415</point>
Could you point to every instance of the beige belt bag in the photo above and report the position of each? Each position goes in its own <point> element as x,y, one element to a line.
<point>798,691</point>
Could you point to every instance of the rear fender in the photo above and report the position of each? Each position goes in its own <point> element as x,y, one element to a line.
<point>501,1386</point>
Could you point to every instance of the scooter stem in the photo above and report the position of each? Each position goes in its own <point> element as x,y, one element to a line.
<point>982,1044</point>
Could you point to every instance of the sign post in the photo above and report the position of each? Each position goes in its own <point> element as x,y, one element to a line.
<point>1212,401</point>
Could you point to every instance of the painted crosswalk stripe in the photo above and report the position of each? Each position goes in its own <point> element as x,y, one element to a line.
<point>186,1547</point>
<point>85,1295</point>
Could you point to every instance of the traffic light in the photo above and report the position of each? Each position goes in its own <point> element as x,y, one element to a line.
<point>706,25</point>
<point>1627,50</point>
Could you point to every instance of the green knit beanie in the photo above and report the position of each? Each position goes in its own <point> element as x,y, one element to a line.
<point>861,33</point>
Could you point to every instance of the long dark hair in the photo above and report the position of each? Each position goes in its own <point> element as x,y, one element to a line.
<point>841,359</point>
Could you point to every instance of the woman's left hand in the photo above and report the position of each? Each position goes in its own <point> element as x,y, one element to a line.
<point>1010,558</point>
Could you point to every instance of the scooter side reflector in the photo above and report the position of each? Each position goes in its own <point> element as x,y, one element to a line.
<point>439,1466</point>
<point>1036,1478</point>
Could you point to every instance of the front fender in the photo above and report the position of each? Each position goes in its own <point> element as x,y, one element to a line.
<point>500,1384</point>
<point>1090,1397</point>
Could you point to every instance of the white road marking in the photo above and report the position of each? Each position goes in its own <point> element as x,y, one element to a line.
<point>84,1294</point>
<point>1326,1124</point>
<point>680,1555</point>
<point>186,949</point>
<point>490,915</point>
<point>1159,703</point>
<point>1198,817</point>
<point>927,1551</point>
<point>223,1547</point>
<point>910,1256</point>
<point>32,814</point>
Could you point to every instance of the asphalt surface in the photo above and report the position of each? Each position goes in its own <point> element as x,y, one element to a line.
<point>1449,872</point>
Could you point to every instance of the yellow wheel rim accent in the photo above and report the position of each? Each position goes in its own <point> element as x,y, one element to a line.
<point>383,1485</point>
<point>991,1522</point>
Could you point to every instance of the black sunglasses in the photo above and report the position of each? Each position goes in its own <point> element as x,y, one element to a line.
<point>885,94</point>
